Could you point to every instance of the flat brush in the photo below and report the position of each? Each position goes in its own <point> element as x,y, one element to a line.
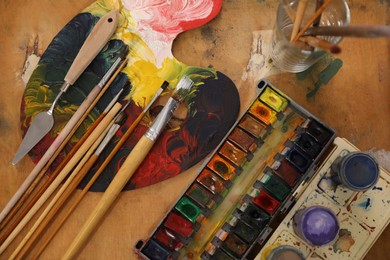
<point>80,196</point>
<point>129,166</point>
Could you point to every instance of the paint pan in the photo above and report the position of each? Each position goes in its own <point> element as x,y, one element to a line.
<point>154,250</point>
<point>222,167</point>
<point>275,186</point>
<point>263,113</point>
<point>253,126</point>
<point>188,209</point>
<point>221,255</point>
<point>266,201</point>
<point>235,245</point>
<point>308,145</point>
<point>245,232</point>
<point>233,154</point>
<point>212,182</point>
<point>273,99</point>
<point>357,171</point>
<point>201,196</point>
<point>254,216</point>
<point>297,158</point>
<point>168,239</point>
<point>319,132</point>
<point>179,224</point>
<point>287,172</point>
<point>285,252</point>
<point>316,225</point>
<point>243,140</point>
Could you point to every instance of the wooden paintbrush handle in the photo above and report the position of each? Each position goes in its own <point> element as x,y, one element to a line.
<point>63,174</point>
<point>127,170</point>
<point>96,40</point>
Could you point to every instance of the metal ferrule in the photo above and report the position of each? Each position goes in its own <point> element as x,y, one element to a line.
<point>108,74</point>
<point>162,119</point>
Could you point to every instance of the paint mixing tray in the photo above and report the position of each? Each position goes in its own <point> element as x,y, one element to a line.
<point>362,215</point>
<point>274,161</point>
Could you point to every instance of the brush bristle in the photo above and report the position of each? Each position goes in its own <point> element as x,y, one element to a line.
<point>164,85</point>
<point>182,88</point>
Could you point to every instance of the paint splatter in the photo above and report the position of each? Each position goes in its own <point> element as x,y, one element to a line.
<point>365,204</point>
<point>344,242</point>
<point>320,73</point>
<point>377,188</point>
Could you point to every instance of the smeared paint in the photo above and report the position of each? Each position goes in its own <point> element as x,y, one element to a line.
<point>365,204</point>
<point>319,76</point>
<point>344,242</point>
<point>377,188</point>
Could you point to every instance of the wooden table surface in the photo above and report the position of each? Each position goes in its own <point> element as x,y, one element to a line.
<point>356,103</point>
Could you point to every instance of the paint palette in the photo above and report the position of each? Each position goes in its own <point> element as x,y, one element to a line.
<point>247,186</point>
<point>362,216</point>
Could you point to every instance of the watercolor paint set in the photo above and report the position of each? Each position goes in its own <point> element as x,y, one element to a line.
<point>277,171</point>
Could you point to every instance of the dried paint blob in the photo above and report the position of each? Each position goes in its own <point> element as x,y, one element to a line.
<point>274,99</point>
<point>316,225</point>
<point>263,113</point>
<point>253,126</point>
<point>285,252</point>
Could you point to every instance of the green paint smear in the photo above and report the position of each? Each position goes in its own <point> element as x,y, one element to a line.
<point>319,76</point>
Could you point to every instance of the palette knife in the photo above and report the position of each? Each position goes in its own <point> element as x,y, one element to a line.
<point>43,122</point>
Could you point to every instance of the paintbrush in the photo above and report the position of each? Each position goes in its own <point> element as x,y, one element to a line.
<point>70,185</point>
<point>317,14</point>
<point>65,134</point>
<point>111,155</point>
<point>130,165</point>
<point>364,31</point>
<point>52,177</point>
<point>302,4</point>
<point>320,43</point>
<point>63,174</point>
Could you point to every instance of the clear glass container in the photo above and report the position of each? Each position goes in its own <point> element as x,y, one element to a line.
<point>293,57</point>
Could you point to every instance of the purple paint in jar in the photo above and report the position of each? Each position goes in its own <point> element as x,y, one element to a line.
<point>316,225</point>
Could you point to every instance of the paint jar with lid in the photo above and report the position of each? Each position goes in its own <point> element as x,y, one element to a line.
<point>285,252</point>
<point>356,171</point>
<point>297,56</point>
<point>316,225</point>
